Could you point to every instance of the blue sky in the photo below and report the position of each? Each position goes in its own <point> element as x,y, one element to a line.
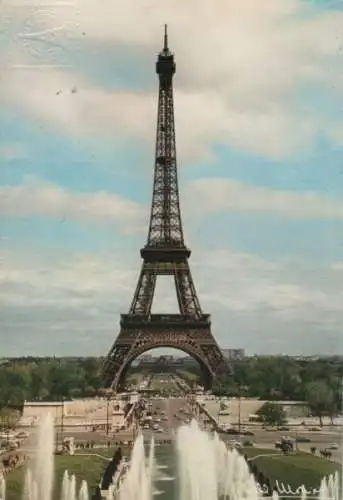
<point>258,103</point>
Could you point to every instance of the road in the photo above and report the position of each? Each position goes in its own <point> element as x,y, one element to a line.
<point>267,439</point>
<point>169,408</point>
<point>168,383</point>
<point>165,408</point>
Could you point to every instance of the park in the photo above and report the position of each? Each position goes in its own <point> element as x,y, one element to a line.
<point>99,425</point>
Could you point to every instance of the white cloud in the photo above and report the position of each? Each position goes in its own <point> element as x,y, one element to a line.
<point>13,151</point>
<point>38,198</point>
<point>253,302</point>
<point>240,66</point>
<point>337,266</point>
<point>220,194</point>
<point>49,200</point>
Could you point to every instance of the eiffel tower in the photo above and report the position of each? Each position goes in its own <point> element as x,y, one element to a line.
<point>165,253</point>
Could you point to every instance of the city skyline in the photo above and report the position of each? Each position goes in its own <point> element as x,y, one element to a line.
<point>258,94</point>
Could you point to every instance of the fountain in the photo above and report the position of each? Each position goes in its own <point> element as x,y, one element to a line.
<point>2,487</point>
<point>39,481</point>
<point>65,486</point>
<point>43,467</point>
<point>206,470</point>
<point>83,493</point>
<point>137,483</point>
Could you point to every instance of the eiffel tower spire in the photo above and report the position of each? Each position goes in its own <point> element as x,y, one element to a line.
<point>165,48</point>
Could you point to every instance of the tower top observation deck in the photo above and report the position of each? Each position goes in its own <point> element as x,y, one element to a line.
<point>165,66</point>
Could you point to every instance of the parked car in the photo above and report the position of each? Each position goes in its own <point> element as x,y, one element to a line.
<point>302,439</point>
<point>22,435</point>
<point>333,446</point>
<point>248,444</point>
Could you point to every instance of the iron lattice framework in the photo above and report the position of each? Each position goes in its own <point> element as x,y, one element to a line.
<point>165,253</point>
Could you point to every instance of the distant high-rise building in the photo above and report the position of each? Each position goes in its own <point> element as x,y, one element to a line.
<point>233,354</point>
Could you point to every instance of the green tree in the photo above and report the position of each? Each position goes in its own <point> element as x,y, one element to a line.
<point>272,414</point>
<point>39,388</point>
<point>320,398</point>
<point>9,419</point>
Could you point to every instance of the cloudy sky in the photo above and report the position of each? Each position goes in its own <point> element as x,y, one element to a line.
<point>259,123</point>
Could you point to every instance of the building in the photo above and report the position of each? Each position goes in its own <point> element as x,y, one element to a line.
<point>81,413</point>
<point>233,354</point>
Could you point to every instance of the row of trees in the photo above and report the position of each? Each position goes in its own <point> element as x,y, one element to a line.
<point>48,379</point>
<point>317,382</point>
<point>269,378</point>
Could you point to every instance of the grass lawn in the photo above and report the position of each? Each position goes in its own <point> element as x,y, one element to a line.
<point>135,378</point>
<point>88,467</point>
<point>188,376</point>
<point>295,470</point>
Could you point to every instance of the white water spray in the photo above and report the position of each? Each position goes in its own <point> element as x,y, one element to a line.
<point>72,488</point>
<point>138,480</point>
<point>207,469</point>
<point>43,469</point>
<point>83,493</point>
<point>65,486</point>
<point>2,487</point>
<point>38,482</point>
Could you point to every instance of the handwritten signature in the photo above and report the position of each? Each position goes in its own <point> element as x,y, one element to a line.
<point>286,489</point>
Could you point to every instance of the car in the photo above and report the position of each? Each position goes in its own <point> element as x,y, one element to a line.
<point>248,444</point>
<point>237,444</point>
<point>13,445</point>
<point>332,446</point>
<point>22,435</point>
<point>302,439</point>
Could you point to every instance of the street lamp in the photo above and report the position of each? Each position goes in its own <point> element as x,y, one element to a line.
<point>56,444</point>
<point>239,412</point>
<point>107,414</point>
<point>62,418</point>
<point>240,390</point>
<point>59,426</point>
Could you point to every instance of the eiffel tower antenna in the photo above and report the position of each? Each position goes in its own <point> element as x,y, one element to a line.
<point>165,37</point>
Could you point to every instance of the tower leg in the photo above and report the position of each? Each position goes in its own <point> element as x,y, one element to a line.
<point>144,294</point>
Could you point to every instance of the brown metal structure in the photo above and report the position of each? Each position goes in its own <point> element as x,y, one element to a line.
<point>165,253</point>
